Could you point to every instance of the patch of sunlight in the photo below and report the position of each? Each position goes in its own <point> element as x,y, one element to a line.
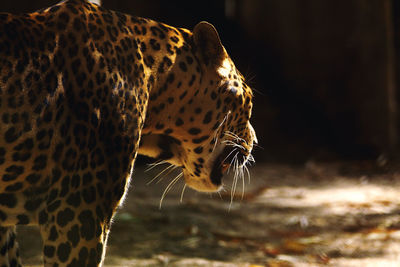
<point>337,197</point>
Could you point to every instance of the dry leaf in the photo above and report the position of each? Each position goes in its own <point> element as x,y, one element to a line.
<point>279,263</point>
<point>294,247</point>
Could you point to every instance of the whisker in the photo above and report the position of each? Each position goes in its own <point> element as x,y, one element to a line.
<point>153,165</point>
<point>248,172</point>
<point>183,192</point>
<point>235,137</point>
<point>258,91</point>
<point>250,160</point>
<point>234,183</point>
<point>230,143</point>
<point>161,172</point>
<point>258,146</point>
<point>169,186</point>
<point>232,161</point>
<point>220,125</point>
<point>216,132</point>
<point>215,144</point>
<point>167,173</point>
<point>229,155</point>
<point>242,177</point>
<point>232,134</point>
<point>249,79</point>
<point>234,176</point>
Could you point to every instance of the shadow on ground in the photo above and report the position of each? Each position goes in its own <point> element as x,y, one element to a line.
<point>342,214</point>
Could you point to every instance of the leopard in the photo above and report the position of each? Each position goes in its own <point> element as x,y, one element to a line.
<point>83,91</point>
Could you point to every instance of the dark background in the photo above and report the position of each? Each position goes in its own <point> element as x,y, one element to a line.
<point>325,73</point>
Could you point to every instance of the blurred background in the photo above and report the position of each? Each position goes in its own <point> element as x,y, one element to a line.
<point>324,72</point>
<point>326,82</point>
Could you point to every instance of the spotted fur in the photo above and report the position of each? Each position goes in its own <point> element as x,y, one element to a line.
<point>81,88</point>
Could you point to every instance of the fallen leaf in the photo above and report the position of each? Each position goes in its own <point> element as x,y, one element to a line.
<point>293,247</point>
<point>279,263</point>
<point>271,251</point>
<point>322,258</point>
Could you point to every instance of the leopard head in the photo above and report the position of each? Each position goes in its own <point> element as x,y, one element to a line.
<point>205,124</point>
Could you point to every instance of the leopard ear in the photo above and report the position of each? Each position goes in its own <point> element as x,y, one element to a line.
<point>207,42</point>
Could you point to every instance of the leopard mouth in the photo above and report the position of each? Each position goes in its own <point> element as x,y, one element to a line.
<point>221,165</point>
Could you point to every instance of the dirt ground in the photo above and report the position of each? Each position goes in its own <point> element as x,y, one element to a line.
<point>336,214</point>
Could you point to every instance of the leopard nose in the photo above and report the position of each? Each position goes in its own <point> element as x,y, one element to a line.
<point>253,133</point>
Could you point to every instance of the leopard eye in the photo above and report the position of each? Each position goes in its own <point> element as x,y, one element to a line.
<point>231,87</point>
<point>233,90</point>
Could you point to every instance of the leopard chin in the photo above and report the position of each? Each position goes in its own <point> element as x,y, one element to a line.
<point>202,184</point>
